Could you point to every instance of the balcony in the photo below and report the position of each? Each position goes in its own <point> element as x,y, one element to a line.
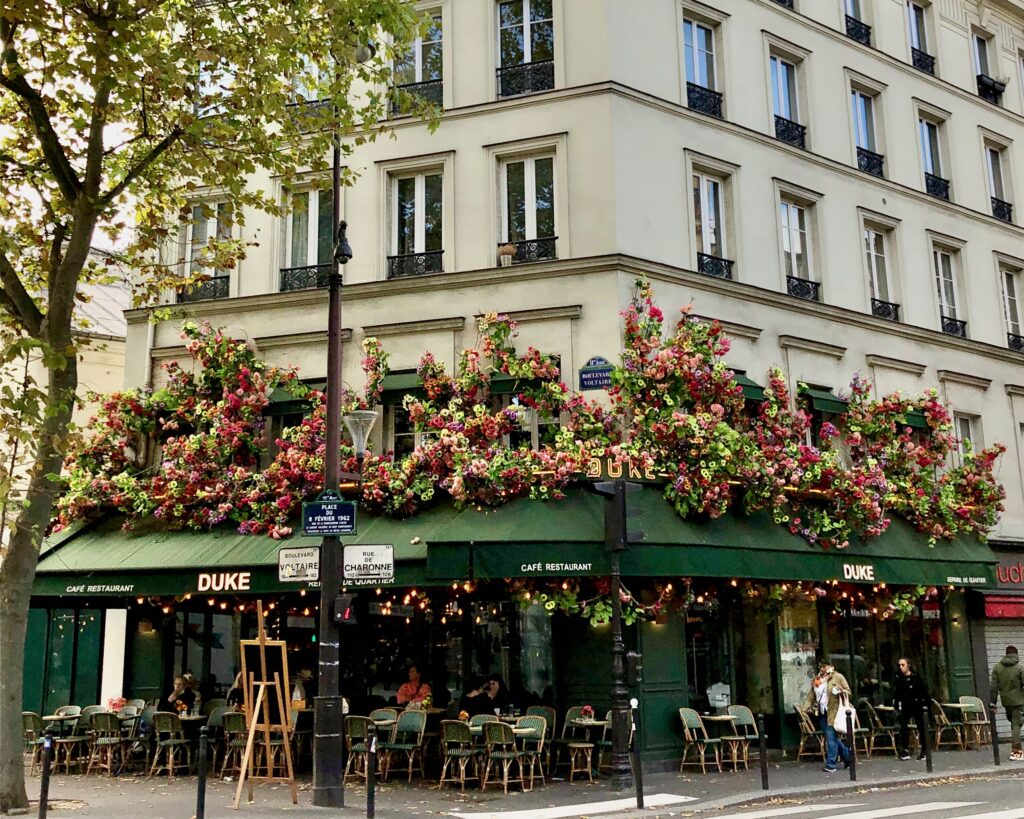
<point>1015,342</point>
<point>885,310</point>
<point>309,114</point>
<point>431,91</point>
<point>989,89</point>
<point>954,327</point>
<point>790,132</point>
<point>936,186</point>
<point>415,264</point>
<point>531,250</point>
<point>870,162</point>
<point>803,288</point>
<point>304,278</point>
<point>714,266</point>
<point>858,30</point>
<point>1002,210</point>
<point>703,100</point>
<point>922,61</point>
<point>785,3</point>
<point>216,287</point>
<point>526,78</point>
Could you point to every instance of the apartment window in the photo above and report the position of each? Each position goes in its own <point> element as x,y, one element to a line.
<point>309,245</point>
<point>966,429</point>
<point>417,220</point>
<point>1010,280</point>
<point>419,71</point>
<point>931,158</point>
<point>877,257</point>
<point>699,56</point>
<point>944,264</point>
<point>918,28</point>
<point>213,85</point>
<point>862,109</point>
<point>210,221</point>
<point>794,223</point>
<point>528,207</point>
<point>994,160</point>
<point>526,47</point>
<point>535,429</point>
<point>980,48</point>
<point>708,207</point>
<point>856,27</point>
<point>785,103</point>
<point>989,88</point>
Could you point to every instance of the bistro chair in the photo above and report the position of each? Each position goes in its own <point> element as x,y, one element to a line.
<point>944,725</point>
<point>77,739</point>
<point>212,705</point>
<point>809,736</point>
<point>234,740</point>
<point>696,738</point>
<point>356,731</point>
<point>386,715</point>
<point>975,721</point>
<point>215,732</point>
<point>140,704</point>
<point>882,737</point>
<point>501,749</point>
<point>458,751</point>
<point>170,739</point>
<point>746,727</point>
<point>34,734</point>
<point>302,733</point>
<point>106,742</point>
<point>63,728</point>
<point>533,744</point>
<point>570,733</point>
<point>407,739</point>
<point>604,744</point>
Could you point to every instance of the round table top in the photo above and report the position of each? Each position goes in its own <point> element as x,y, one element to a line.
<point>193,717</point>
<point>719,718</point>
<point>60,718</point>
<point>956,705</point>
<point>590,723</point>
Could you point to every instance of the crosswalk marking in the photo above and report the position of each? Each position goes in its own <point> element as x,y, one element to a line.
<point>657,800</point>
<point>926,807</point>
<point>792,810</point>
<point>828,809</point>
<point>1012,813</point>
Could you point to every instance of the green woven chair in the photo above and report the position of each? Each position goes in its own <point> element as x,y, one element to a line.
<point>458,752</point>
<point>746,727</point>
<point>356,732</point>
<point>550,717</point>
<point>33,733</point>
<point>944,725</point>
<point>170,741</point>
<point>697,740</point>
<point>570,733</point>
<point>976,725</point>
<point>502,751</point>
<point>106,742</point>
<point>533,745</point>
<point>213,705</point>
<point>75,740</point>
<point>407,740</point>
<point>235,736</point>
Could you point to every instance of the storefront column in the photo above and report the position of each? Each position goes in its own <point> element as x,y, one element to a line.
<point>959,657</point>
<point>115,632</point>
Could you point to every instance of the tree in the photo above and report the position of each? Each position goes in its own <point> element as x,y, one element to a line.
<point>107,104</point>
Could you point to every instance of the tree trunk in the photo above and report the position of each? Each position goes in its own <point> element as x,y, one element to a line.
<point>18,571</point>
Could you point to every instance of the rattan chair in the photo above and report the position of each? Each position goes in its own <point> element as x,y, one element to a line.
<point>75,740</point>
<point>976,723</point>
<point>533,744</point>
<point>746,731</point>
<point>458,752</point>
<point>550,717</point>
<point>34,735</point>
<point>944,725</point>
<point>235,736</point>
<point>500,743</point>
<point>696,738</point>
<point>809,736</point>
<point>169,738</point>
<point>882,736</point>
<point>356,732</point>
<point>406,740</point>
<point>570,733</point>
<point>106,742</point>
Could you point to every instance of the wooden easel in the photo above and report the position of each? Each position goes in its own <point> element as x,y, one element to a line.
<point>257,714</point>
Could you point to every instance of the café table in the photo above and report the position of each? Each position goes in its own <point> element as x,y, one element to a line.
<point>725,726</point>
<point>966,708</point>
<point>190,725</point>
<point>60,721</point>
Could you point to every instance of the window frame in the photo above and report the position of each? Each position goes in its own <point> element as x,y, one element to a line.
<point>695,22</point>
<point>703,180</point>
<point>213,229</point>
<point>312,236</point>
<point>917,26</point>
<point>791,202</point>
<point>436,14</point>
<point>871,261</point>
<point>854,9</point>
<point>859,96</point>
<point>526,25</point>
<point>980,57</point>
<point>775,62</point>
<point>1014,274</point>
<point>940,251</point>
<point>419,175</point>
<point>973,437</point>
<point>992,174</point>
<point>529,161</point>
<point>933,158</point>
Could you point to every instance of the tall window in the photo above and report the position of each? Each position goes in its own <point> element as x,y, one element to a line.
<point>784,98</point>
<point>417,214</point>
<point>526,32</point>
<point>528,199</point>
<point>1011,283</point>
<point>422,62</point>
<point>931,155</point>
<point>994,167</point>
<point>918,29</point>
<point>863,119</point>
<point>795,239</point>
<point>699,47</point>
<point>945,282</point>
<point>980,48</point>
<point>965,428</point>
<point>853,8</point>
<point>311,233</point>
<point>707,209</point>
<point>209,221</point>
<point>876,252</point>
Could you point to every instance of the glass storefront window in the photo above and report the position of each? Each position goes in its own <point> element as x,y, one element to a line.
<point>755,676</point>
<point>708,655</point>
<point>799,642</point>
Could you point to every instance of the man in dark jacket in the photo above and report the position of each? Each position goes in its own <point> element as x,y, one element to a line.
<point>910,699</point>
<point>1008,685</point>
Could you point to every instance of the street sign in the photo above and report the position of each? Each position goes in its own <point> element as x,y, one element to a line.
<point>365,564</point>
<point>297,564</point>
<point>596,374</point>
<point>328,516</point>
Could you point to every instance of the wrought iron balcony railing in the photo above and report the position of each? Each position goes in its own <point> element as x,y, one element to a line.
<point>714,266</point>
<point>989,89</point>
<point>792,132</point>
<point>803,288</point>
<point>885,310</point>
<point>936,186</point>
<point>308,114</point>
<point>533,250</point>
<point>922,61</point>
<point>1002,210</point>
<point>216,287</point>
<point>954,326</point>
<point>304,278</point>
<point>526,78</point>
<point>858,30</point>
<point>704,100</point>
<point>870,162</point>
<point>1015,342</point>
<point>429,91</point>
<point>415,264</point>
<point>787,3</point>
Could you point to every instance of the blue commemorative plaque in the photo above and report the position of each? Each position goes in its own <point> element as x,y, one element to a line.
<point>596,374</point>
<point>329,516</point>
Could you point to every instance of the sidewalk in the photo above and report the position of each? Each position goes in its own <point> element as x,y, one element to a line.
<point>137,796</point>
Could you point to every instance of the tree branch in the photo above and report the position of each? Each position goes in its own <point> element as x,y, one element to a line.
<point>140,167</point>
<point>16,300</point>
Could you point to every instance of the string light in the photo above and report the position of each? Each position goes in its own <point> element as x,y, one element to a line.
<point>139,600</point>
<point>306,611</point>
<point>302,592</point>
<point>211,601</point>
<point>224,604</point>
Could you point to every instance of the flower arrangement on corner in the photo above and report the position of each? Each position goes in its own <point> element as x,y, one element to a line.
<point>115,704</point>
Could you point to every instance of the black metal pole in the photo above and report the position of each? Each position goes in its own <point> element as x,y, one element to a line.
<point>853,744</point>
<point>204,741</point>
<point>926,744</point>
<point>995,735</point>
<point>638,763</point>
<point>371,770</point>
<point>615,508</point>
<point>328,722</point>
<point>762,743</point>
<point>44,775</point>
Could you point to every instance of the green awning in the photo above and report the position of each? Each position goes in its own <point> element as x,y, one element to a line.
<point>283,402</point>
<point>824,400</point>
<point>752,391</point>
<point>915,420</point>
<point>397,385</point>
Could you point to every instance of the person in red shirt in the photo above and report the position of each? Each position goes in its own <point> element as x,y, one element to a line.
<point>413,691</point>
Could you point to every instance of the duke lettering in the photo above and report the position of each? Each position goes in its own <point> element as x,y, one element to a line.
<point>858,571</point>
<point>224,581</point>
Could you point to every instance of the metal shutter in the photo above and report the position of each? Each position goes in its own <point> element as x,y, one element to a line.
<point>998,635</point>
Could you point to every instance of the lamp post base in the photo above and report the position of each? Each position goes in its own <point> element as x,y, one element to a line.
<point>328,745</point>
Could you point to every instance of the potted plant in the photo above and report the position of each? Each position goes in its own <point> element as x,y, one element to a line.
<point>505,254</point>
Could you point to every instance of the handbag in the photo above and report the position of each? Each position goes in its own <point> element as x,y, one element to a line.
<point>839,723</point>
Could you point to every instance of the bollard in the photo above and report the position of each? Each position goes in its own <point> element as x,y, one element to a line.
<point>44,775</point>
<point>926,743</point>
<point>852,737</point>
<point>995,735</point>
<point>638,765</point>
<point>371,770</point>
<point>204,742</point>
<point>762,743</point>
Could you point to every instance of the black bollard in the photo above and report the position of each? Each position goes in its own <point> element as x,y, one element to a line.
<point>762,743</point>
<point>44,776</point>
<point>371,770</point>
<point>204,742</point>
<point>995,735</point>
<point>638,765</point>
<point>926,743</point>
<point>852,737</point>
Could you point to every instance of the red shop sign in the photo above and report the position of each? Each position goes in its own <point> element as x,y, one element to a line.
<point>1002,606</point>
